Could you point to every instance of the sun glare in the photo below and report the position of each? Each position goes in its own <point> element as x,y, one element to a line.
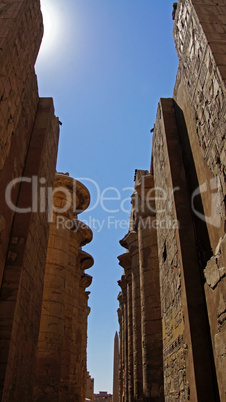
<point>51,26</point>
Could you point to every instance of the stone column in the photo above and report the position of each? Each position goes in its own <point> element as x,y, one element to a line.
<point>125,262</point>
<point>130,241</point>
<point>120,347</point>
<point>84,312</point>
<point>84,261</point>
<point>80,235</point>
<point>71,314</point>
<point>151,324</point>
<point>51,332</point>
<point>53,356</point>
<point>122,283</point>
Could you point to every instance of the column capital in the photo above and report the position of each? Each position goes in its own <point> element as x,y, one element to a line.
<point>145,182</point>
<point>85,281</point>
<point>123,285</point>
<point>125,261</point>
<point>143,198</point>
<point>83,231</point>
<point>120,298</point>
<point>79,193</point>
<point>85,260</point>
<point>119,311</point>
<point>87,293</point>
<point>88,309</point>
<point>130,241</point>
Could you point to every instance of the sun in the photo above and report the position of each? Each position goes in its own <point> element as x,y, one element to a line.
<point>51,21</point>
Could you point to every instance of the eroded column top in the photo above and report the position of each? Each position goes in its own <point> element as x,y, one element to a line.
<point>81,233</point>
<point>130,242</point>
<point>123,284</point>
<point>77,192</point>
<point>85,259</point>
<point>85,281</point>
<point>143,199</point>
<point>125,260</point>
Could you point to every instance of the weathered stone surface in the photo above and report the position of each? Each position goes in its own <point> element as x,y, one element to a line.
<point>21,32</point>
<point>184,208</point>
<point>143,355</point>
<point>194,326</point>
<point>20,38</point>
<point>130,241</point>
<point>200,92</point>
<point>212,273</point>
<point>90,387</point>
<point>22,286</point>
<point>215,291</point>
<point>26,150</point>
<point>151,325</point>
<point>125,262</point>
<point>200,38</point>
<point>61,357</point>
<point>124,330</point>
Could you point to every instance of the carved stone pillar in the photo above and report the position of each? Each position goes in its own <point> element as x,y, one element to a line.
<point>125,262</point>
<point>122,283</point>
<point>80,235</point>
<point>151,325</point>
<point>55,342</point>
<point>130,241</point>
<point>71,312</point>
<point>85,282</point>
<point>120,347</point>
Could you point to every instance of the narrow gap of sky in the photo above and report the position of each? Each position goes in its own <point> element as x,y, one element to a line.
<point>106,63</point>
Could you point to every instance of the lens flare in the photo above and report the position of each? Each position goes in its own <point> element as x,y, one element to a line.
<point>51,21</point>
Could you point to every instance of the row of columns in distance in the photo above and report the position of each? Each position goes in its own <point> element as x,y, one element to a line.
<point>139,313</point>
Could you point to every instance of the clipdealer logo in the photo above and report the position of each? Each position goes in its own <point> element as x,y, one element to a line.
<point>111,200</point>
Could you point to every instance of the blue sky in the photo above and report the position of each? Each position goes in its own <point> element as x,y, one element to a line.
<point>106,63</point>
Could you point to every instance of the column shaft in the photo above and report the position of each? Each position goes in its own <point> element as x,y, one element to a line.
<point>48,367</point>
<point>120,347</point>
<point>151,325</point>
<point>70,322</point>
<point>136,319</point>
<point>130,340</point>
<point>125,382</point>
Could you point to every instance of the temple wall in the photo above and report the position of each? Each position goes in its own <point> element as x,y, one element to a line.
<point>183,304</point>
<point>200,92</point>
<point>22,284</point>
<point>200,38</point>
<point>21,31</point>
